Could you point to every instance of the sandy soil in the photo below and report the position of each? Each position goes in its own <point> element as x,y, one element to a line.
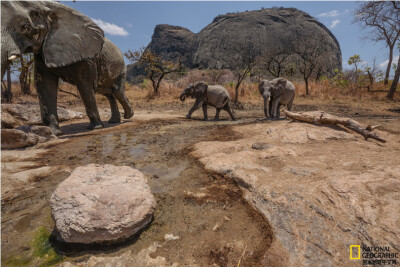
<point>209,211</point>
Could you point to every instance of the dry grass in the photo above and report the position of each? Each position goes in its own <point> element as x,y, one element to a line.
<point>320,91</point>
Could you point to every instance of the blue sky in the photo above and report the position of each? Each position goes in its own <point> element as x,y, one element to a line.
<point>130,25</point>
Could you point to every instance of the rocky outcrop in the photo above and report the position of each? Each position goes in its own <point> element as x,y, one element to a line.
<point>102,204</point>
<point>12,138</point>
<point>25,136</point>
<point>322,189</point>
<point>222,43</point>
<point>14,115</point>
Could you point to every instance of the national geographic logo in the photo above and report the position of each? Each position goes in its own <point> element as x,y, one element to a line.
<point>374,255</point>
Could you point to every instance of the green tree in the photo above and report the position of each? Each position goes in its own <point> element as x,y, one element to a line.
<point>355,60</point>
<point>155,66</point>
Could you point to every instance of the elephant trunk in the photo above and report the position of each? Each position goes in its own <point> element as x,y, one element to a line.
<point>182,97</point>
<point>9,50</point>
<point>266,106</point>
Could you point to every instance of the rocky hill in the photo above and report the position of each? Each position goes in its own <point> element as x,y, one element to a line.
<point>221,43</point>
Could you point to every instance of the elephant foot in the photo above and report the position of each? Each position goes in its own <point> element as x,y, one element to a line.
<point>114,120</point>
<point>234,119</point>
<point>56,131</point>
<point>95,125</point>
<point>128,115</point>
<point>216,119</point>
<point>205,119</point>
<point>188,117</point>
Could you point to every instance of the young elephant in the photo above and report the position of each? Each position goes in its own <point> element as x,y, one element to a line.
<point>279,92</point>
<point>213,95</point>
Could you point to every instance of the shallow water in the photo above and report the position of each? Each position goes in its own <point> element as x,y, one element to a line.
<point>207,212</point>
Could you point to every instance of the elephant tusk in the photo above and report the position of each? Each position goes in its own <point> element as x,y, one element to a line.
<point>12,57</point>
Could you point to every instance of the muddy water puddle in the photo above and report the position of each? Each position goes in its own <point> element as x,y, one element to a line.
<point>208,214</point>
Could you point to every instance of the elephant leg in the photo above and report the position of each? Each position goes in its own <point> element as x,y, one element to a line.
<point>290,104</point>
<point>86,90</point>
<point>278,111</point>
<point>270,107</point>
<point>47,86</point>
<point>275,103</point>
<point>204,107</point>
<point>228,108</point>
<point>267,107</point>
<point>119,93</point>
<point>115,116</point>
<point>217,114</point>
<point>196,105</point>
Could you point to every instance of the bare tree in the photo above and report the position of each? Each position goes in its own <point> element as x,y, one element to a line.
<point>244,67</point>
<point>395,79</point>
<point>382,17</point>
<point>155,66</point>
<point>274,61</point>
<point>310,59</point>
<point>23,65</point>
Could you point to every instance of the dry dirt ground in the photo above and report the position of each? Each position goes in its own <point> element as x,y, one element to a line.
<point>248,193</point>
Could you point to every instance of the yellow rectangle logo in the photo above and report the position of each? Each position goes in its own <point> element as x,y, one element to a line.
<point>358,252</point>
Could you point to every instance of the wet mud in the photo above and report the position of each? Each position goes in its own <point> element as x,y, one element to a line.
<point>215,225</point>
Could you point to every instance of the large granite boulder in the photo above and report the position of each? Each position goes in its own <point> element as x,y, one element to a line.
<point>321,189</point>
<point>221,44</point>
<point>102,204</point>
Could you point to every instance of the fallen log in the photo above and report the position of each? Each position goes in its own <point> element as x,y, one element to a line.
<point>320,117</point>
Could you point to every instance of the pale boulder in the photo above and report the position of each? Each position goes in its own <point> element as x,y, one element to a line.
<point>102,204</point>
<point>12,138</point>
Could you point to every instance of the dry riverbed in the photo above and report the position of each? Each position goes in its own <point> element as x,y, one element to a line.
<point>226,191</point>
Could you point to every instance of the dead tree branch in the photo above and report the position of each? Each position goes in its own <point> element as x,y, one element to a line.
<point>320,117</point>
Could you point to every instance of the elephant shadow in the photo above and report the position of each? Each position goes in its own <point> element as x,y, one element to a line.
<point>69,130</point>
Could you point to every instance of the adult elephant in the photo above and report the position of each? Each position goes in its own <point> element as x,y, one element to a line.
<point>213,95</point>
<point>67,45</point>
<point>275,93</point>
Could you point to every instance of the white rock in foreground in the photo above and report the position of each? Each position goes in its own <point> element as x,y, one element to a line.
<point>102,203</point>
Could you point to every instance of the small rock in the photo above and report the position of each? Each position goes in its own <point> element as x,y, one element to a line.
<point>261,146</point>
<point>216,227</point>
<point>8,121</point>
<point>169,237</point>
<point>12,138</point>
<point>227,218</point>
<point>43,132</point>
<point>102,203</point>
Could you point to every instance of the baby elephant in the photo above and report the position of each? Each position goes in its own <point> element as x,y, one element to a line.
<point>279,92</point>
<point>213,95</point>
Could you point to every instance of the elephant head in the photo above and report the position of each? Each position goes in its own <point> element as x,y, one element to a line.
<point>60,34</point>
<point>271,90</point>
<point>197,90</point>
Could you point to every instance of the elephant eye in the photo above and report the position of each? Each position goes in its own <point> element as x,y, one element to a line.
<point>25,27</point>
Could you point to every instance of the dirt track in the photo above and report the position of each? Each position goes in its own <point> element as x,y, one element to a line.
<point>214,222</point>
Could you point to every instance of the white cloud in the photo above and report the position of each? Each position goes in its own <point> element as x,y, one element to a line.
<point>334,23</point>
<point>333,13</point>
<point>384,63</point>
<point>111,28</point>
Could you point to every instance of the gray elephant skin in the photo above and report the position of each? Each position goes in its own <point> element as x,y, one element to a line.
<point>67,45</point>
<point>213,95</point>
<point>275,93</point>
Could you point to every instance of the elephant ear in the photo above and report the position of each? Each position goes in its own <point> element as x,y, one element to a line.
<point>261,86</point>
<point>277,90</point>
<point>200,89</point>
<point>72,36</point>
<point>282,82</point>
